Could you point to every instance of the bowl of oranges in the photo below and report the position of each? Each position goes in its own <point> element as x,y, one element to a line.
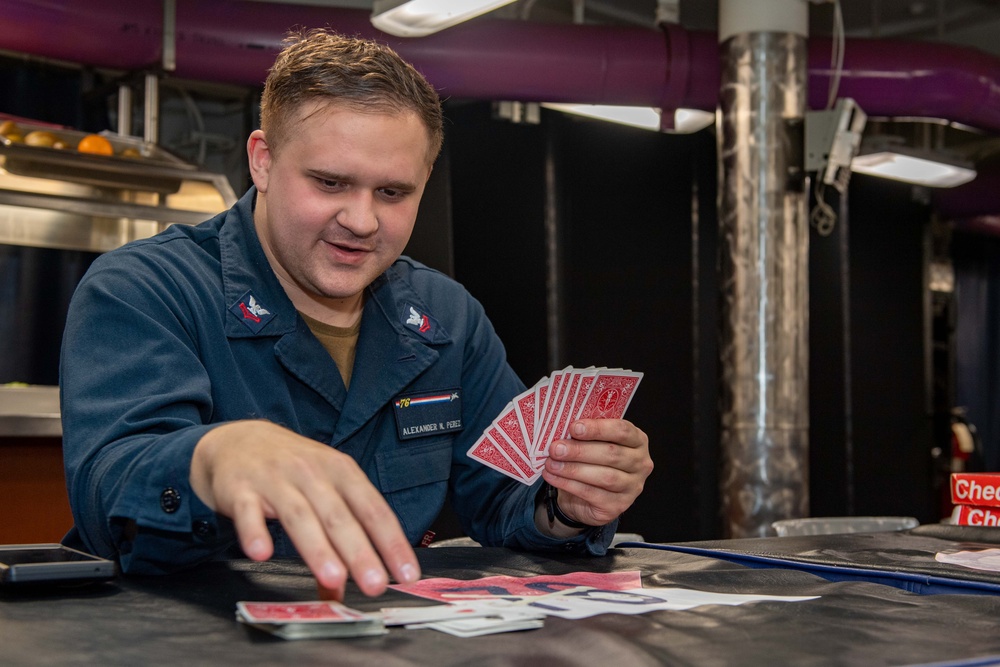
<point>57,138</point>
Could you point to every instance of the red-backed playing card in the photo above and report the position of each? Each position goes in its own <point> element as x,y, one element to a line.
<point>487,453</point>
<point>510,425</point>
<point>524,405</point>
<point>511,453</point>
<point>517,442</point>
<point>610,394</point>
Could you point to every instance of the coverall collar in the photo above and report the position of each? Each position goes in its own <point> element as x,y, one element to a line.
<point>395,344</point>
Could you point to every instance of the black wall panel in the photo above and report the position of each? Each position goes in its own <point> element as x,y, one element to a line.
<point>621,199</point>
<point>890,350</point>
<point>625,203</point>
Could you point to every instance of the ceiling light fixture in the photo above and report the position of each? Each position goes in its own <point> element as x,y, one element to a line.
<point>683,121</point>
<point>418,18</point>
<point>888,157</point>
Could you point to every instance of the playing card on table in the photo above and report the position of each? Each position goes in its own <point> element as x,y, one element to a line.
<point>454,616</point>
<point>517,442</point>
<point>477,627</point>
<point>309,620</point>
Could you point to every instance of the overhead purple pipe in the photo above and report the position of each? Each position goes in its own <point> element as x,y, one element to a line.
<point>922,79</point>
<point>978,197</point>
<point>982,225</point>
<point>234,41</point>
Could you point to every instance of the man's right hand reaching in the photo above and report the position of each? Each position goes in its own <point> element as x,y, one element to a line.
<point>252,471</point>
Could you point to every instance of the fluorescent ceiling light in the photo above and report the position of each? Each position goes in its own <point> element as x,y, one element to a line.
<point>687,121</point>
<point>922,170</point>
<point>418,18</point>
<point>647,118</point>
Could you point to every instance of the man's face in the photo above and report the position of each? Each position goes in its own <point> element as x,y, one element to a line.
<point>338,199</point>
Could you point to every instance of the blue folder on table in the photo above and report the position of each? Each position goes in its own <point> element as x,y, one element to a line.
<point>903,559</point>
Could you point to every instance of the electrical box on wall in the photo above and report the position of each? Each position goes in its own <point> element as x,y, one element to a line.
<point>833,137</point>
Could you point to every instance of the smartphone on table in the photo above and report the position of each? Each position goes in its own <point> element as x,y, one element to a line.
<point>51,564</point>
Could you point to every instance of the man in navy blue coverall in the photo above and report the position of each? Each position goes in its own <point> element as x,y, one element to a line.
<point>235,387</point>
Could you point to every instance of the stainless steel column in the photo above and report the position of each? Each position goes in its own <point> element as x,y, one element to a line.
<point>764,247</point>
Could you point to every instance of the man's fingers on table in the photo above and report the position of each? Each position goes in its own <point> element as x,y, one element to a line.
<point>385,533</point>
<point>249,521</point>
<point>364,530</point>
<point>350,538</point>
<point>335,594</point>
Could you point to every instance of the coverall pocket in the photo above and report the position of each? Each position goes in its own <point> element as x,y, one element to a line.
<point>414,480</point>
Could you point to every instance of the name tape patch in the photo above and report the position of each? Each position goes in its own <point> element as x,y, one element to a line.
<point>428,413</point>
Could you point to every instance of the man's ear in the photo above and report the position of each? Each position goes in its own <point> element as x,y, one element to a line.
<point>259,158</point>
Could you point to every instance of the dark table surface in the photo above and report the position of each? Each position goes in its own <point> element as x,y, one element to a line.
<point>188,619</point>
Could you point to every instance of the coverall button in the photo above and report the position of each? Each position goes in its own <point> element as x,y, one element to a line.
<point>170,500</point>
<point>203,528</point>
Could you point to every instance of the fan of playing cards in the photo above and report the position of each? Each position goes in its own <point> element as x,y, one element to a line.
<point>517,442</point>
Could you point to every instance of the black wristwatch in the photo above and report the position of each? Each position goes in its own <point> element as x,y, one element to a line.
<point>552,509</point>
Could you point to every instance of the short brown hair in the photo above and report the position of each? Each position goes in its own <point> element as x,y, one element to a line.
<point>362,74</point>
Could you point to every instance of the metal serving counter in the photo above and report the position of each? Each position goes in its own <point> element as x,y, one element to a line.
<point>29,411</point>
<point>68,199</point>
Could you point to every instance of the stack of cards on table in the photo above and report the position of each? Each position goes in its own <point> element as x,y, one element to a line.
<point>976,496</point>
<point>309,620</point>
<point>517,442</point>
<point>325,620</point>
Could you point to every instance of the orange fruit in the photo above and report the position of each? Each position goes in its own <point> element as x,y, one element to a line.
<point>9,127</point>
<point>95,143</point>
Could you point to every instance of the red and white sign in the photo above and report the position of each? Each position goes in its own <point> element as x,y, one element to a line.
<point>976,488</point>
<point>975,515</point>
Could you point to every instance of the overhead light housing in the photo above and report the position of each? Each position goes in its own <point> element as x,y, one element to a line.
<point>418,18</point>
<point>889,157</point>
<point>681,121</point>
